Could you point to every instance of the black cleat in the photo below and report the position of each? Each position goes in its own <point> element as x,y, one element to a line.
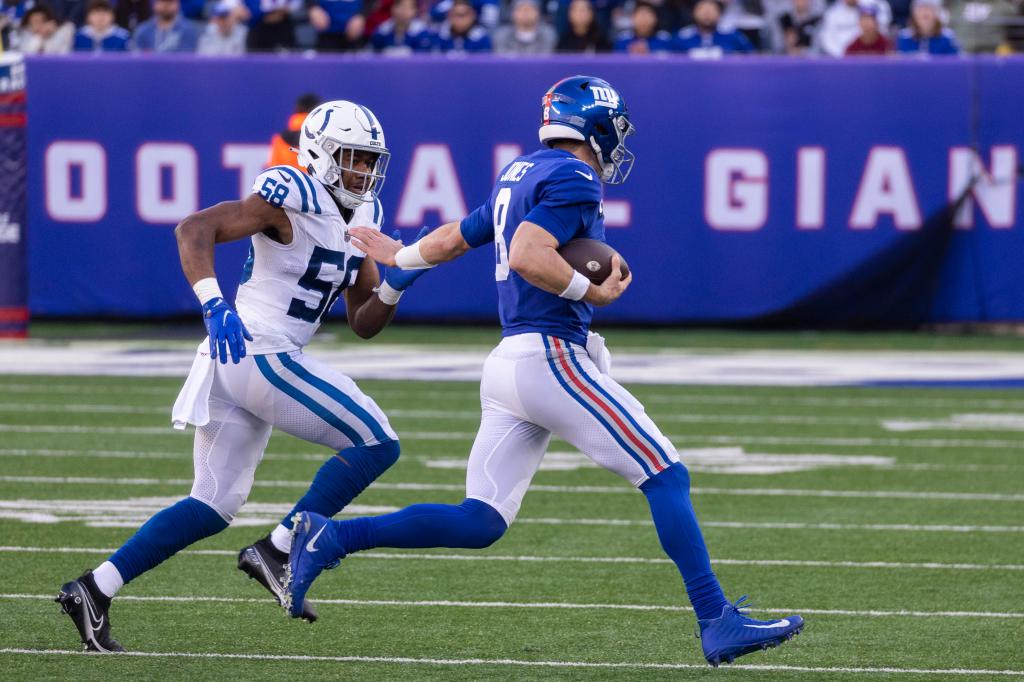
<point>266,564</point>
<point>89,611</point>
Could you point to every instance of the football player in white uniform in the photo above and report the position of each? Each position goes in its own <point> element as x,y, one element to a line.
<point>300,261</point>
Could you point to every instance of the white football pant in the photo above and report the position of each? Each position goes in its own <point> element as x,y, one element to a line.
<point>536,385</point>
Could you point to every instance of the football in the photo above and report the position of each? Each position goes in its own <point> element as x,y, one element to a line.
<point>592,258</point>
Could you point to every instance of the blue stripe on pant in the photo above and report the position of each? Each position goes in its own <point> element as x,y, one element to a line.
<point>625,413</point>
<point>593,410</point>
<point>334,392</point>
<point>307,402</point>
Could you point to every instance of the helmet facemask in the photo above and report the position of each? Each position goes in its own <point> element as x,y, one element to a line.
<point>343,160</point>
<point>610,147</point>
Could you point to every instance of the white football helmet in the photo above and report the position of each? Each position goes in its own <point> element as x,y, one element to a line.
<point>330,137</point>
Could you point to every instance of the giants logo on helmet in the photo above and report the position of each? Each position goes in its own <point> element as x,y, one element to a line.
<point>606,97</point>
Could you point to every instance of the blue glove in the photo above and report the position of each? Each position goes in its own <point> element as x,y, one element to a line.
<point>400,279</point>
<point>226,331</point>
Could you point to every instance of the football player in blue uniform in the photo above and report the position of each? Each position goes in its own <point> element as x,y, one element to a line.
<point>544,377</point>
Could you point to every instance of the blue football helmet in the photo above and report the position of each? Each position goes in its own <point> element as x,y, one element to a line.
<point>590,110</point>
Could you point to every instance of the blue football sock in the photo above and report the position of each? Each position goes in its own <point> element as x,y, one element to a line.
<point>668,495</point>
<point>470,525</point>
<point>166,533</point>
<point>343,477</point>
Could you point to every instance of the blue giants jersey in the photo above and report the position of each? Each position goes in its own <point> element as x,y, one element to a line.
<point>555,190</point>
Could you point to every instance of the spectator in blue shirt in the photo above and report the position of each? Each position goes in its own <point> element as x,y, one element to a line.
<point>704,40</point>
<point>100,33</point>
<point>271,26</point>
<point>645,38</point>
<point>339,24</point>
<point>10,12</point>
<point>488,13</point>
<point>403,33</point>
<point>167,31</point>
<point>926,34</point>
<point>461,33</point>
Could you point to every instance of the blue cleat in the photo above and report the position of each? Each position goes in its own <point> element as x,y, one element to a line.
<point>733,634</point>
<point>312,534</point>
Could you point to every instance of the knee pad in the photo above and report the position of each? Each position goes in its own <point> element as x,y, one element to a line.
<point>223,491</point>
<point>225,467</point>
<point>482,523</point>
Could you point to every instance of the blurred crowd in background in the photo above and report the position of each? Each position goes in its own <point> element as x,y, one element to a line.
<point>705,29</point>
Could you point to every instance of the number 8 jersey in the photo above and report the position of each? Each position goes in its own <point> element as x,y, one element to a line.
<point>287,289</point>
<point>555,190</point>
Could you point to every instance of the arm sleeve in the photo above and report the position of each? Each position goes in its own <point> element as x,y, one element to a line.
<point>562,199</point>
<point>478,227</point>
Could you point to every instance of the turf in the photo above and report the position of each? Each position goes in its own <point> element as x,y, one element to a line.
<point>110,431</point>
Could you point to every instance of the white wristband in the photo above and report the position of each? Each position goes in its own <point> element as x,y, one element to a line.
<point>577,288</point>
<point>388,294</point>
<point>207,290</point>
<point>410,258</point>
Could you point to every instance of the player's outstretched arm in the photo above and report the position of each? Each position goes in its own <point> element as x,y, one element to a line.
<point>440,246</point>
<point>367,311</point>
<point>533,254</point>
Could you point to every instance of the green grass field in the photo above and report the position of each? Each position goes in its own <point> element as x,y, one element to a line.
<point>905,567</point>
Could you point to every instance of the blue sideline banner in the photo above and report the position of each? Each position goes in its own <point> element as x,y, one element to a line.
<point>765,190</point>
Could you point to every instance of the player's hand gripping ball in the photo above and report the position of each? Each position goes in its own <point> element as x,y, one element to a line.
<point>592,259</point>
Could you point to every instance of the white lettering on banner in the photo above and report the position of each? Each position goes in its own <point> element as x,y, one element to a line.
<point>155,202</point>
<point>431,185</point>
<point>86,203</point>
<point>736,189</point>
<point>886,187</point>
<point>504,154</point>
<point>248,159</point>
<point>996,188</point>
<point>617,213</point>
<point>810,188</point>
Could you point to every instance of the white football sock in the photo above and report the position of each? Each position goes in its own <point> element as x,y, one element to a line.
<point>281,538</point>
<point>108,579</point>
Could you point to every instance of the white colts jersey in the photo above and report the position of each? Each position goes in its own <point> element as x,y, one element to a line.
<point>287,289</point>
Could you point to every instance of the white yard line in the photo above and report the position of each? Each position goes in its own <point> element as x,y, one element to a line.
<point>722,439</point>
<point>447,603</point>
<point>783,525</point>
<point>413,556</point>
<point>699,490</point>
<point>184,454</point>
<point>648,394</point>
<point>310,457</point>
<point>718,398</point>
<point>1013,444</point>
<point>515,663</point>
<point>474,415</point>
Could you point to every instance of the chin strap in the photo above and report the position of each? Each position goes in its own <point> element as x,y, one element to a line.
<point>607,169</point>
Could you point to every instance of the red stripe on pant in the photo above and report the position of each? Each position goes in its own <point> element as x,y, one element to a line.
<point>650,456</point>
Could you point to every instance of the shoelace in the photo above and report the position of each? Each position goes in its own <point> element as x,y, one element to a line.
<point>741,606</point>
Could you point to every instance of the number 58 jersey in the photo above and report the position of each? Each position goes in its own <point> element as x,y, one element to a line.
<point>287,289</point>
